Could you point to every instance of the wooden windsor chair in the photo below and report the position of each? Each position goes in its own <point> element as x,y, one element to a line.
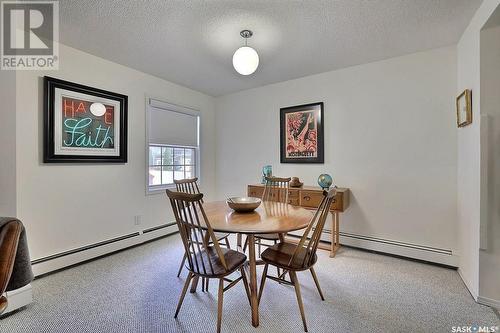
<point>276,189</point>
<point>298,257</point>
<point>190,185</point>
<point>205,257</point>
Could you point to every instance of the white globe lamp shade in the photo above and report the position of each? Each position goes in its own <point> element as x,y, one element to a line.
<point>245,60</point>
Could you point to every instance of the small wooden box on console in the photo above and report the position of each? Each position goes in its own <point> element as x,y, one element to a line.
<point>310,197</point>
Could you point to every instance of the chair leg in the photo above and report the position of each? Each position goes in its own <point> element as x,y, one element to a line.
<point>295,281</point>
<point>183,293</point>
<point>206,287</point>
<point>182,265</point>
<point>259,242</point>
<point>202,284</point>
<point>245,283</point>
<point>262,282</point>
<point>238,242</point>
<point>277,268</point>
<point>194,284</point>
<point>219,304</point>
<point>245,245</point>
<point>313,273</point>
<point>227,243</point>
<point>283,275</point>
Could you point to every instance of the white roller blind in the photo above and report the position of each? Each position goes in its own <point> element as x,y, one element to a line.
<point>172,124</point>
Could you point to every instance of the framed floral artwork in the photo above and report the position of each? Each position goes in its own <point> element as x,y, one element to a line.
<point>83,124</point>
<point>302,134</point>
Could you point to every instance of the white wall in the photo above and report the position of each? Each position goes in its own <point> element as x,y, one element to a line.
<point>67,206</point>
<point>8,143</point>
<point>469,155</point>
<point>390,136</point>
<point>489,256</point>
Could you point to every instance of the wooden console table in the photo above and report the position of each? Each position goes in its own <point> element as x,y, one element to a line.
<point>310,197</point>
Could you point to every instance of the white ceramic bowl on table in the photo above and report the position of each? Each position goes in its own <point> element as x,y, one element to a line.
<point>243,204</point>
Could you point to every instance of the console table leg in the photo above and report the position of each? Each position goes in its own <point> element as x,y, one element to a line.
<point>335,241</point>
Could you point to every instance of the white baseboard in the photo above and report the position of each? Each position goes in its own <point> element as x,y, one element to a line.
<point>41,267</point>
<point>440,256</point>
<point>18,298</point>
<point>489,302</point>
<point>467,283</point>
<point>397,249</point>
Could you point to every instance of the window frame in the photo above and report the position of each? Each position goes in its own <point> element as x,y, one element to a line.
<point>155,103</point>
<point>194,164</point>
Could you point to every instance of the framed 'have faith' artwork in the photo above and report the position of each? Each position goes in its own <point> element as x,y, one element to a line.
<point>302,134</point>
<point>83,124</point>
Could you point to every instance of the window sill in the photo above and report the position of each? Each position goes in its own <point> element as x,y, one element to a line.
<point>159,189</point>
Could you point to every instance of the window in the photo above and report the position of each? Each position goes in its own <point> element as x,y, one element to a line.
<point>173,144</point>
<point>167,163</point>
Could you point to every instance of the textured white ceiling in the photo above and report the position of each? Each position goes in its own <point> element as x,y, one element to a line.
<point>192,42</point>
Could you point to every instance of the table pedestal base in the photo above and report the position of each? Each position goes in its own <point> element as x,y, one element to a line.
<point>253,280</point>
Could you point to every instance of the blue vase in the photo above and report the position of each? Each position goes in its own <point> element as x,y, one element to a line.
<point>267,171</point>
<point>325,181</point>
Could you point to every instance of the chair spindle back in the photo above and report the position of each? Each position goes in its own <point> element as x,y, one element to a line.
<point>189,185</point>
<point>309,241</point>
<point>276,189</point>
<point>189,215</point>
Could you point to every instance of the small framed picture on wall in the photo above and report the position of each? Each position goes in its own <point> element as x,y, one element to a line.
<point>464,108</point>
<point>302,134</point>
<point>83,124</point>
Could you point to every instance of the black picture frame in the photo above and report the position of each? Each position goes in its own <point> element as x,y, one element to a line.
<point>92,155</point>
<point>317,125</point>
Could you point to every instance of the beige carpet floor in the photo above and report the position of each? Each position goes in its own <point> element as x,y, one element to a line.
<point>136,290</point>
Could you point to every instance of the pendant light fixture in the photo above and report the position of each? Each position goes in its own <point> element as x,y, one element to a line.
<point>245,59</point>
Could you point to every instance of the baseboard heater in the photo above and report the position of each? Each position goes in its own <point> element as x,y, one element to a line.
<point>163,226</point>
<point>91,251</point>
<point>393,247</point>
<point>396,243</point>
<point>83,248</point>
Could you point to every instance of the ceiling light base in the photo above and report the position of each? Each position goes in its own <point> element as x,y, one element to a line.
<point>246,33</point>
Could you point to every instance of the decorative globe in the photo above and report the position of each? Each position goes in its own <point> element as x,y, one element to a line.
<point>325,181</point>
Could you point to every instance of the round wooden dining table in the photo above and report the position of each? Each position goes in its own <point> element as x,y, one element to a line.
<point>269,218</point>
